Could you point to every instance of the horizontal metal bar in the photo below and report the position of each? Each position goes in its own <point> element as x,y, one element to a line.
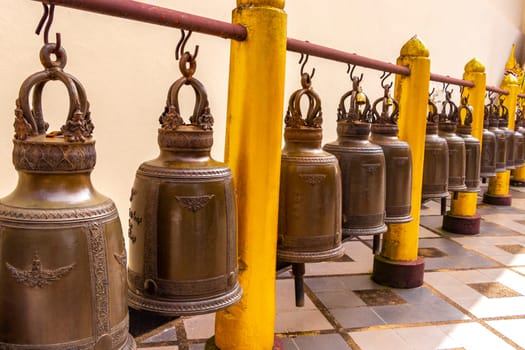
<point>139,11</point>
<point>449,80</point>
<point>295,45</point>
<point>521,95</point>
<point>497,90</point>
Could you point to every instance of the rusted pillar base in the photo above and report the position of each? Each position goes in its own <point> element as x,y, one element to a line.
<point>517,183</point>
<point>398,274</point>
<point>465,225</point>
<point>500,199</point>
<point>277,344</point>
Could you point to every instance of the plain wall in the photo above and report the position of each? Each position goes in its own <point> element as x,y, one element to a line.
<point>127,67</point>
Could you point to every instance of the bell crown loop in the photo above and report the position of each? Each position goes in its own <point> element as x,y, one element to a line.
<point>359,107</point>
<point>467,109</point>
<point>449,110</point>
<point>29,119</point>
<point>201,117</point>
<point>390,111</point>
<point>503,113</point>
<point>314,115</point>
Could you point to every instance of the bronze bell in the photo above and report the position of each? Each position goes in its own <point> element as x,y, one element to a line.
<point>519,156</point>
<point>182,226</point>
<point>398,160</point>
<point>309,227</point>
<point>503,124</point>
<point>456,145</point>
<point>501,140</point>
<point>488,150</point>
<point>472,147</point>
<point>435,166</point>
<point>362,168</point>
<point>62,253</point>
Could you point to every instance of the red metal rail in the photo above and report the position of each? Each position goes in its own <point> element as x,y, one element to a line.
<point>138,11</point>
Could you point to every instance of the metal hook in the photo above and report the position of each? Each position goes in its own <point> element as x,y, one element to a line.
<point>351,70</point>
<point>48,15</point>
<point>181,45</point>
<point>448,94</point>
<point>383,78</point>
<point>304,63</point>
<point>431,92</point>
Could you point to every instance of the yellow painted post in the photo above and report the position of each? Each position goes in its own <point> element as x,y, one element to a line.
<point>253,151</point>
<point>398,264</point>
<point>462,217</point>
<point>498,189</point>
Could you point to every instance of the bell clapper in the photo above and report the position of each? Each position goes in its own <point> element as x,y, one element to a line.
<point>298,270</point>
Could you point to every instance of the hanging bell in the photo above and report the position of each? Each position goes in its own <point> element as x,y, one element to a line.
<point>310,191</point>
<point>501,140</point>
<point>362,169</point>
<point>182,227</point>
<point>488,150</point>
<point>503,124</point>
<point>435,166</point>
<point>456,145</point>
<point>62,253</point>
<point>398,160</point>
<point>519,156</point>
<point>309,227</point>
<point>472,147</point>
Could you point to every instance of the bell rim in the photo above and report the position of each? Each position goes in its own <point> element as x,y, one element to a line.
<point>187,307</point>
<point>426,196</point>
<point>363,231</point>
<point>398,219</point>
<point>310,257</point>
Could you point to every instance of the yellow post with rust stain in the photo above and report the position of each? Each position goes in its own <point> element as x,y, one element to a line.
<point>462,217</point>
<point>253,151</point>
<point>398,264</point>
<point>498,189</point>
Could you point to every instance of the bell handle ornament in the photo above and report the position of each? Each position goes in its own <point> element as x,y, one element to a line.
<point>387,102</point>
<point>464,106</point>
<point>452,115</point>
<point>78,124</point>
<point>314,114</point>
<point>201,117</point>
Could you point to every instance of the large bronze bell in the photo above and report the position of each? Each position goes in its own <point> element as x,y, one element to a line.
<point>435,166</point>
<point>309,227</point>
<point>362,167</point>
<point>182,230</point>
<point>503,124</point>
<point>398,159</point>
<point>501,140</point>
<point>456,145</point>
<point>62,253</point>
<point>488,150</point>
<point>472,147</point>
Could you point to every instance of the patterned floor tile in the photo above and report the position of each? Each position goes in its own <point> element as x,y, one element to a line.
<point>453,256</point>
<point>316,342</point>
<point>494,290</point>
<point>491,247</point>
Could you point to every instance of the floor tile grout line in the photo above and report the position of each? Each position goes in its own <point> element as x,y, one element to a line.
<point>481,321</point>
<point>140,339</point>
<point>331,319</point>
<point>182,336</point>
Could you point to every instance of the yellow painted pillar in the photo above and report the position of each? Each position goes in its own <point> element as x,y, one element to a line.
<point>462,217</point>
<point>498,189</point>
<point>253,151</point>
<point>518,178</point>
<point>398,264</point>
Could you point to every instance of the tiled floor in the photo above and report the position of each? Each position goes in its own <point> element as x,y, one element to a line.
<point>473,296</point>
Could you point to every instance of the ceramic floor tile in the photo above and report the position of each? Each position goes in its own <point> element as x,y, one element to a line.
<point>357,317</point>
<point>339,299</point>
<point>322,341</point>
<point>171,347</point>
<point>426,233</point>
<point>428,337</point>
<point>441,253</point>
<point>379,339</point>
<point>197,346</point>
<point>474,336</point>
<point>285,297</point>
<point>200,327</point>
<point>508,220</point>
<point>489,247</point>
<point>430,207</point>
<point>512,329</point>
<point>169,334</point>
<point>487,228</point>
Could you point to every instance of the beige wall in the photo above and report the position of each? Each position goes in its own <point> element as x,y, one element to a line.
<point>126,67</point>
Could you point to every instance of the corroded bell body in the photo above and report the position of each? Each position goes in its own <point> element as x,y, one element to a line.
<point>488,151</point>
<point>398,161</point>
<point>472,158</point>
<point>310,192</point>
<point>436,163</point>
<point>62,254</point>
<point>182,227</point>
<point>363,177</point>
<point>456,156</point>
<point>501,145</point>
<point>510,144</point>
